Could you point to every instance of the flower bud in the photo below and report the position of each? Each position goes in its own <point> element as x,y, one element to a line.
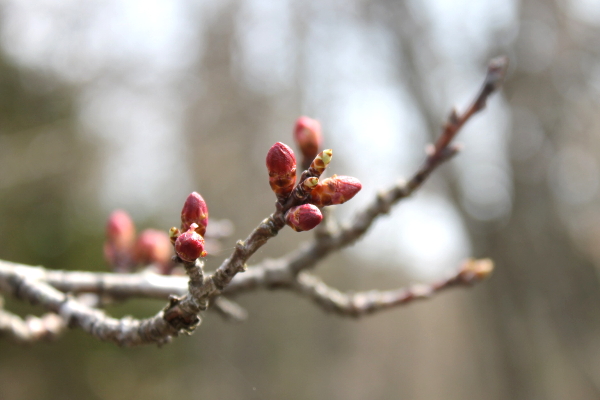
<point>153,247</point>
<point>320,162</point>
<point>335,190</point>
<point>120,231</point>
<point>194,211</point>
<point>190,245</point>
<point>120,234</point>
<point>307,134</point>
<point>304,217</point>
<point>281,164</point>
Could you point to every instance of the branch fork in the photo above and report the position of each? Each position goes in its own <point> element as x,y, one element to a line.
<point>74,298</point>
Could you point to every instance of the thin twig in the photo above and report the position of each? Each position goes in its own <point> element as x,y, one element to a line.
<point>125,331</point>
<point>363,303</point>
<point>31,329</point>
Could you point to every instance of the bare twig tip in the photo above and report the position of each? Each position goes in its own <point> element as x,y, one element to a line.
<point>476,270</point>
<point>496,71</point>
<point>453,119</point>
<point>429,150</point>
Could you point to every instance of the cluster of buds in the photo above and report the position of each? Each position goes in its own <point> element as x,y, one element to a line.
<point>189,241</point>
<point>309,194</point>
<point>124,252</point>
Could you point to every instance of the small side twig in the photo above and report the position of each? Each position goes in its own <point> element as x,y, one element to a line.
<point>124,332</point>
<point>230,310</point>
<point>363,303</point>
<point>31,329</point>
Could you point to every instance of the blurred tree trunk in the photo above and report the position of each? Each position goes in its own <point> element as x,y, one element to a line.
<point>542,303</point>
<point>544,299</point>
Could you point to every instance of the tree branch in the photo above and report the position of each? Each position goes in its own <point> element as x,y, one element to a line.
<point>188,297</point>
<point>31,329</point>
<point>331,240</point>
<point>363,303</point>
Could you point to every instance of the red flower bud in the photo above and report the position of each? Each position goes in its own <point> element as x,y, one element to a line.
<point>153,247</point>
<point>307,134</point>
<point>320,162</point>
<point>335,190</point>
<point>194,211</point>
<point>190,245</point>
<point>281,164</point>
<point>304,217</point>
<point>120,234</point>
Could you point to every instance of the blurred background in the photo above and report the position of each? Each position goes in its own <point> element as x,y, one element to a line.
<point>132,105</point>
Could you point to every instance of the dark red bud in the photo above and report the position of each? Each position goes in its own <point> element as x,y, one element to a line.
<point>335,190</point>
<point>153,247</point>
<point>304,217</point>
<point>194,211</point>
<point>190,245</point>
<point>307,135</point>
<point>281,164</point>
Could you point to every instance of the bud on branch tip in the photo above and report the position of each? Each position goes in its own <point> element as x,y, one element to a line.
<point>321,162</point>
<point>190,245</point>
<point>120,230</point>
<point>304,217</point>
<point>120,234</point>
<point>194,211</point>
<point>335,190</point>
<point>153,247</point>
<point>476,270</point>
<point>281,164</point>
<point>308,137</point>
<point>310,183</point>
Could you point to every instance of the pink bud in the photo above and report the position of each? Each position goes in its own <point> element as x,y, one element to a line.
<point>120,234</point>
<point>335,190</point>
<point>307,134</point>
<point>304,217</point>
<point>281,164</point>
<point>120,231</point>
<point>153,247</point>
<point>194,211</point>
<point>190,245</point>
